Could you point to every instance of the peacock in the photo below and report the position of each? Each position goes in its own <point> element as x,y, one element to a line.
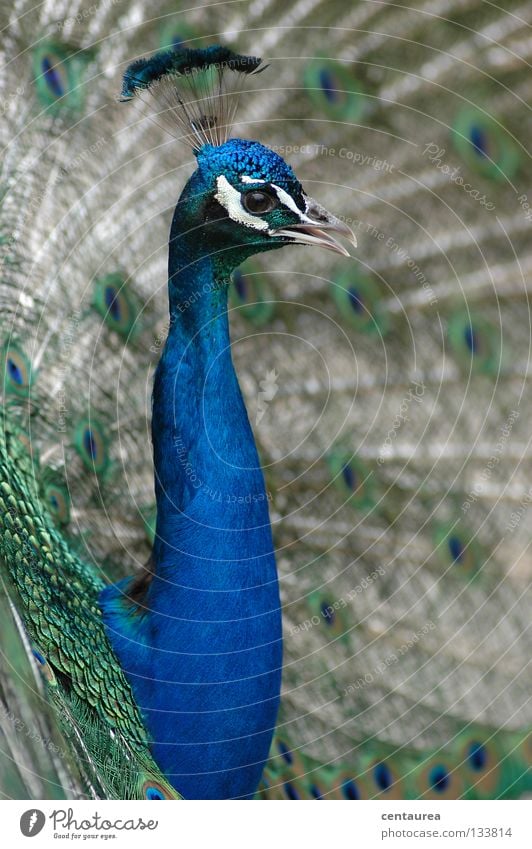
<point>310,581</point>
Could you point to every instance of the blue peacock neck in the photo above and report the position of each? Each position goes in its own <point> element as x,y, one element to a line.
<point>208,480</point>
<point>203,651</point>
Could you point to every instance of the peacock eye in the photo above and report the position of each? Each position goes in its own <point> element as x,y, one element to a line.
<point>258,203</point>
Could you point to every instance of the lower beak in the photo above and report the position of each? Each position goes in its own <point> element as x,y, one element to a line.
<point>318,228</point>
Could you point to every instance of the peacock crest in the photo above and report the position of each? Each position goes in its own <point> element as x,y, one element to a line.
<point>196,90</point>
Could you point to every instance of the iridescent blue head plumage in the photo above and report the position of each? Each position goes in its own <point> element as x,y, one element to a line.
<point>243,182</point>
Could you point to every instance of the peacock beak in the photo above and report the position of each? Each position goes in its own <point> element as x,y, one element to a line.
<point>317,227</point>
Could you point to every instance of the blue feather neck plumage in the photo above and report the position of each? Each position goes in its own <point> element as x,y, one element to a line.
<point>204,656</point>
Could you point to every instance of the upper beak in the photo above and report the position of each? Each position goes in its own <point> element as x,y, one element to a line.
<point>317,227</point>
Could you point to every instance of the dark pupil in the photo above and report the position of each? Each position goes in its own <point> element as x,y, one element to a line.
<point>52,76</point>
<point>258,202</point>
<point>90,444</point>
<point>14,372</point>
<point>111,301</point>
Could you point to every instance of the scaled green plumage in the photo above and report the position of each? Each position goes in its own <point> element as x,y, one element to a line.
<point>57,593</point>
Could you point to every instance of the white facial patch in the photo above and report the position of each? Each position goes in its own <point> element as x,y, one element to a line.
<point>230,199</point>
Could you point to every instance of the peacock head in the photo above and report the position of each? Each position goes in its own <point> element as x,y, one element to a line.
<point>250,199</point>
<point>243,198</point>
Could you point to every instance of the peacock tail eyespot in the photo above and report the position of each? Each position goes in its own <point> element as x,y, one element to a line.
<point>477,756</point>
<point>471,339</point>
<point>291,791</point>
<point>14,371</point>
<point>240,284</point>
<point>334,90</point>
<point>330,614</point>
<point>352,478</point>
<point>54,76</point>
<point>285,752</point>
<point>485,145</point>
<point>384,777</point>
<point>348,786</point>
<point>316,792</point>
<point>327,612</point>
<point>154,791</point>
<point>17,371</point>
<point>114,301</point>
<point>58,75</point>
<point>286,761</point>
<point>250,295</point>
<point>438,778</point>
<point>58,501</point>
<point>350,790</point>
<point>475,343</point>
<point>287,787</point>
<point>457,549</point>
<point>327,85</point>
<point>91,444</point>
<point>357,298</point>
<point>481,761</point>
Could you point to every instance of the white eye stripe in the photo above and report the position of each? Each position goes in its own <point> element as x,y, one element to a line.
<point>246,179</point>
<point>231,201</point>
<point>289,202</point>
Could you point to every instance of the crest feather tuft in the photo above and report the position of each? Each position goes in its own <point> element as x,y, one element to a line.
<point>191,86</point>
